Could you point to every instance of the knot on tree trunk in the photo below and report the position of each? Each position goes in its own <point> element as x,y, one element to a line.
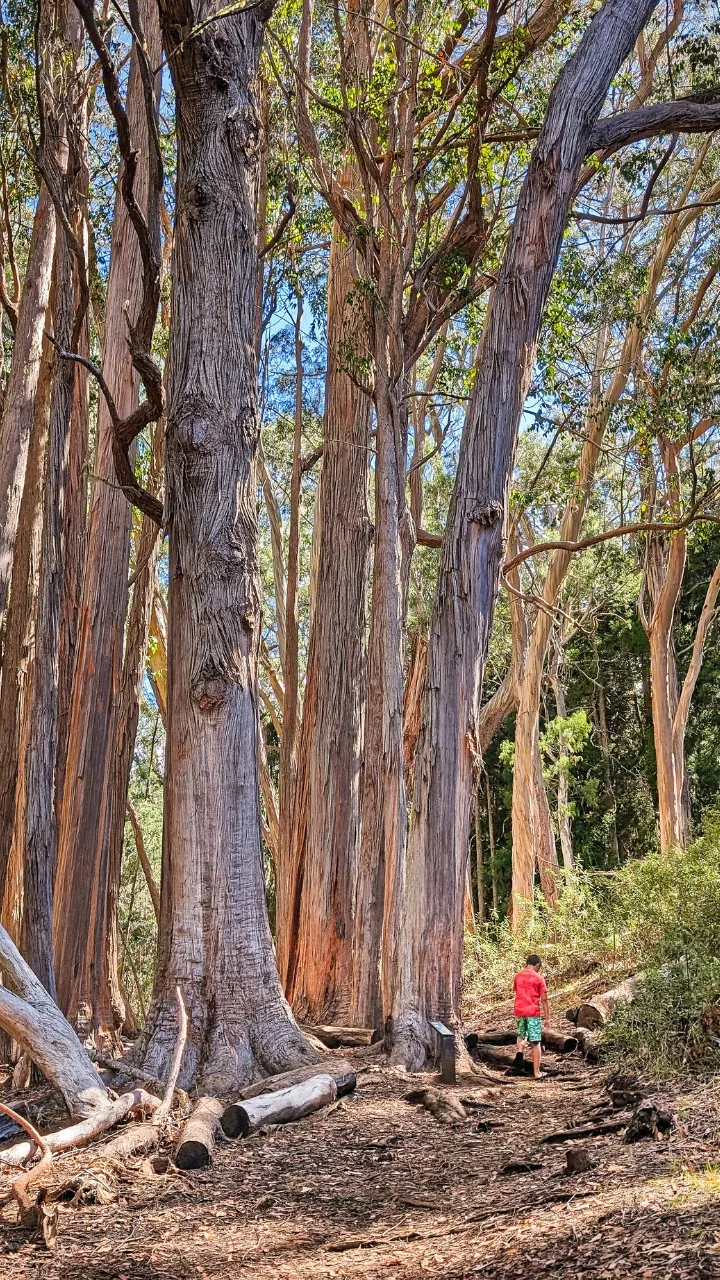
<point>210,692</point>
<point>487,514</point>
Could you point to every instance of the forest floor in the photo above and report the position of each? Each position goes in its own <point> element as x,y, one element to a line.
<point>375,1187</point>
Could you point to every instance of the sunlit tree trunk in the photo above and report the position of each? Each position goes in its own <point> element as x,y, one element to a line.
<point>86,989</point>
<point>317,882</point>
<point>431,951</point>
<point>20,621</point>
<point>215,941</point>
<point>19,400</point>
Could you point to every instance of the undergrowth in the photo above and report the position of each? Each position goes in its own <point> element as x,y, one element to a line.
<point>660,917</point>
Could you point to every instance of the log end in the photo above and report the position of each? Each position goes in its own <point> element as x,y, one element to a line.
<point>234,1121</point>
<point>192,1155</point>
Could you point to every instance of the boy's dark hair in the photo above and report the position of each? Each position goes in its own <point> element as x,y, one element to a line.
<point>534,960</point>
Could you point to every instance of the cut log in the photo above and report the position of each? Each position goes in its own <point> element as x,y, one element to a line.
<point>588,1044</point>
<point>341,1037</point>
<point>196,1143</point>
<point>555,1041</point>
<point>588,1131</point>
<point>242,1119</point>
<point>78,1135</point>
<point>602,1008</point>
<point>340,1070</point>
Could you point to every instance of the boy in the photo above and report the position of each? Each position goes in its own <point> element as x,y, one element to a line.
<point>531,1007</point>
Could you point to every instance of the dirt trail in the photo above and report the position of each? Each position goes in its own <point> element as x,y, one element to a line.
<point>376,1187</point>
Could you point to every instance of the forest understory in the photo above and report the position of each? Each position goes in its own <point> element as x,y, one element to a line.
<point>375,1186</point>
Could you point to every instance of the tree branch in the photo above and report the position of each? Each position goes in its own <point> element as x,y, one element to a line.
<point>697,114</point>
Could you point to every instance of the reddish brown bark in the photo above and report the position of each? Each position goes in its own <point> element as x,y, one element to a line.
<point>317,883</point>
<point>19,399</point>
<point>84,981</point>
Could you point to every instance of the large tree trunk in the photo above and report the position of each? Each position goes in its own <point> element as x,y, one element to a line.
<point>317,880</point>
<point>40,829</point>
<point>431,957</point>
<point>215,942</point>
<point>20,621</point>
<point>19,400</point>
<point>87,991</point>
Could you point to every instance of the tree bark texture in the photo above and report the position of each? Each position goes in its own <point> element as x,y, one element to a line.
<point>86,987</point>
<point>431,952</point>
<point>215,942</point>
<point>19,400</point>
<point>133,670</point>
<point>20,620</point>
<point>316,884</point>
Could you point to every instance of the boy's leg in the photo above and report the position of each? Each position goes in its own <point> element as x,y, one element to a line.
<point>536,1056</point>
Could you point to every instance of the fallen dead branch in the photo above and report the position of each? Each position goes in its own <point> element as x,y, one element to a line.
<point>588,1131</point>
<point>137,1102</point>
<point>33,1215</point>
<point>161,1115</point>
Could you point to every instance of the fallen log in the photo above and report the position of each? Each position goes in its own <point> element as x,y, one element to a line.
<point>341,1071</point>
<point>588,1131</point>
<point>196,1143</point>
<point>506,1061</point>
<point>242,1119</point>
<point>78,1135</point>
<point>555,1041</point>
<point>602,1008</point>
<point>588,1044</point>
<point>33,1019</point>
<point>342,1037</point>
<point>134,1140</point>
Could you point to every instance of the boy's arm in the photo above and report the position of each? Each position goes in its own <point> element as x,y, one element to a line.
<point>545,1008</point>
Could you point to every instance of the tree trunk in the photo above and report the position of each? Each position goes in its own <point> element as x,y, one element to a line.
<point>19,400</point>
<point>317,881</point>
<point>133,671</point>
<point>20,621</point>
<point>41,755</point>
<point>431,953</point>
<point>290,652</point>
<point>563,782</point>
<point>86,986</point>
<point>215,942</point>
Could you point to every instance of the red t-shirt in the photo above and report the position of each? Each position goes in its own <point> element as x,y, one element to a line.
<point>529,987</point>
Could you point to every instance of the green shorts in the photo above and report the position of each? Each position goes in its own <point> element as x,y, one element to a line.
<point>529,1029</point>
